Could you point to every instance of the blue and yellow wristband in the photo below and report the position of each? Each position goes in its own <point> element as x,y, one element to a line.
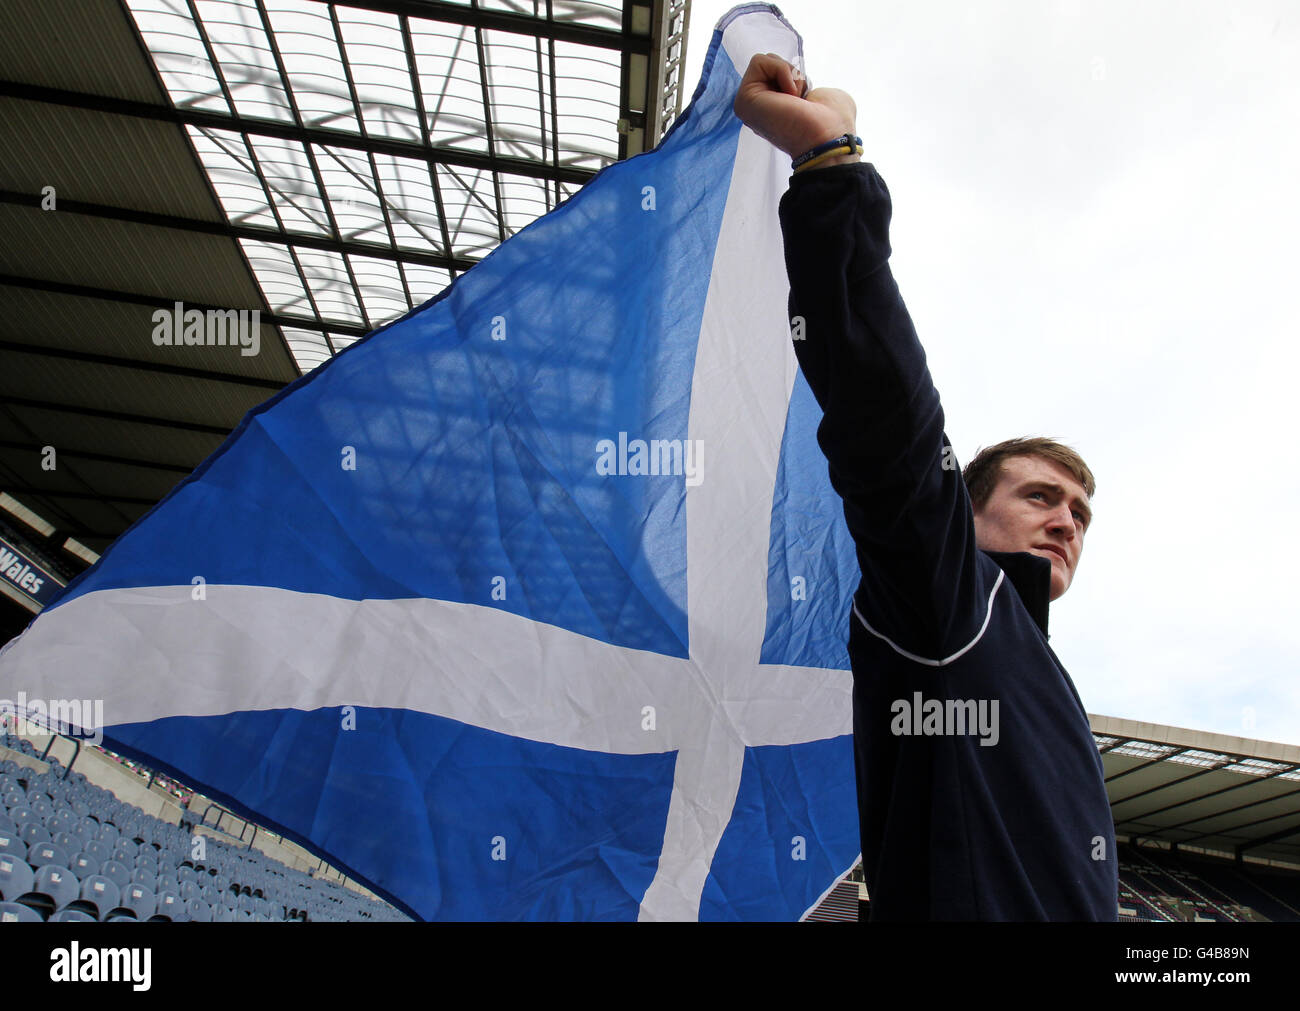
<point>844,144</point>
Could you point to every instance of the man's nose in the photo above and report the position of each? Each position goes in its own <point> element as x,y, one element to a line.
<point>1062,522</point>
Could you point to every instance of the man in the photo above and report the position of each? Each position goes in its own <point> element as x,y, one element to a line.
<point>980,789</point>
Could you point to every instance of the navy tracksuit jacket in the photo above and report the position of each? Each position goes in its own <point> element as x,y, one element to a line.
<point>1018,828</point>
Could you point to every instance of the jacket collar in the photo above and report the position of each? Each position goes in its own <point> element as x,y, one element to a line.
<point>1031,575</point>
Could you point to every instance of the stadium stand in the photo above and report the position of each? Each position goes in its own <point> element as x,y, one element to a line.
<point>1207,826</point>
<point>1180,886</point>
<point>73,851</point>
<point>840,904</point>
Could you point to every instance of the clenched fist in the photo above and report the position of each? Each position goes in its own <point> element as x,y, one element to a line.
<point>771,101</point>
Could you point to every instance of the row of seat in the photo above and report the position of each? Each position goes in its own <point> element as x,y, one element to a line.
<point>92,857</point>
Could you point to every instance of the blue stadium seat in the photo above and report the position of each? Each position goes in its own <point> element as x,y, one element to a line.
<point>116,872</point>
<point>172,905</point>
<point>33,832</point>
<point>15,877</point>
<point>83,865</point>
<point>59,883</point>
<point>98,849</point>
<point>71,915</point>
<point>47,853</point>
<point>13,912</point>
<point>102,892</point>
<point>63,821</point>
<point>198,911</point>
<point>140,900</point>
<point>70,843</point>
<point>12,845</point>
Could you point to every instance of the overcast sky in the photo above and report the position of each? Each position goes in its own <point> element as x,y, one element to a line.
<point>1095,230</point>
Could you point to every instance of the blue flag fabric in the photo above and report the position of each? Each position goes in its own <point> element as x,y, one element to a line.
<point>532,604</point>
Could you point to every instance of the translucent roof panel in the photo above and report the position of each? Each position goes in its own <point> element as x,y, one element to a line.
<point>407,194</point>
<point>469,203</point>
<point>290,179</point>
<point>365,156</point>
<point>383,292</point>
<point>451,84</point>
<point>230,166</point>
<point>238,42</point>
<point>376,59</point>
<point>277,273</point>
<point>424,282</point>
<point>587,104</point>
<point>353,193</point>
<point>312,62</point>
<point>178,52</point>
<point>333,287</point>
<point>309,348</point>
<point>600,15</point>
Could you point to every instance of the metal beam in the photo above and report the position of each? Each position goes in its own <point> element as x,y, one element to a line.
<point>174,424</point>
<point>80,454</point>
<point>159,302</point>
<point>1145,765</point>
<point>519,24</point>
<point>91,358</point>
<point>1239,826</point>
<point>260,233</point>
<point>22,489</point>
<point>1166,785</point>
<point>303,135</point>
<point>1285,833</point>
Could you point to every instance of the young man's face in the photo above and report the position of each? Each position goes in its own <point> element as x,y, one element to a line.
<point>1037,507</point>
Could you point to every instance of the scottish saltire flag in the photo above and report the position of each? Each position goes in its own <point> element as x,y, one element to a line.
<point>533,604</point>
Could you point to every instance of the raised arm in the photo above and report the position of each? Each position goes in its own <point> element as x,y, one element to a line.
<point>882,431</point>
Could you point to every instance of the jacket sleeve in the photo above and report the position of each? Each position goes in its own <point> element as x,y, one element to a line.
<point>882,426</point>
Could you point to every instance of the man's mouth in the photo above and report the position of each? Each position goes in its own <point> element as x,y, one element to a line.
<point>1059,552</point>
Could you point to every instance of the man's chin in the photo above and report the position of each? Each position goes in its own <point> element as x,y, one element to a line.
<point>1060,573</point>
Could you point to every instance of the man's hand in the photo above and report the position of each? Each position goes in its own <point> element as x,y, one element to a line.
<point>771,101</point>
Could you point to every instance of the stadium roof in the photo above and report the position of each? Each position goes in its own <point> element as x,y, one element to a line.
<point>1230,795</point>
<point>329,165</point>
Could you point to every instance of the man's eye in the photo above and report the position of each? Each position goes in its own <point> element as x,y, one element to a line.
<point>1079,517</point>
<point>1038,493</point>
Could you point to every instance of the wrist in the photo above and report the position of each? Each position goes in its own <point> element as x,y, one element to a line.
<point>836,151</point>
<point>839,159</point>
